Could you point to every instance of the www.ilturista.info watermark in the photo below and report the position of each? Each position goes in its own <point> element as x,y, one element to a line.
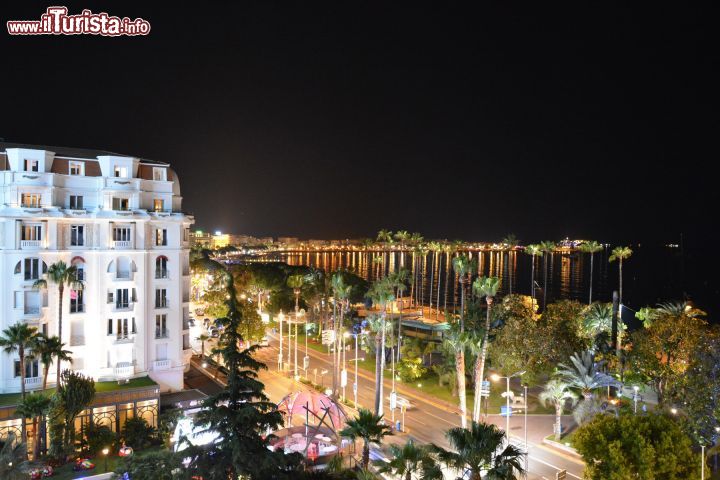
<point>56,21</point>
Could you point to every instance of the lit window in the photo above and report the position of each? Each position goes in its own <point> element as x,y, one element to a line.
<point>159,174</point>
<point>75,168</point>
<point>161,237</point>
<point>31,232</point>
<point>158,205</point>
<point>31,200</point>
<point>120,172</point>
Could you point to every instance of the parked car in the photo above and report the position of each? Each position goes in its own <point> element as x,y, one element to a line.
<point>264,341</point>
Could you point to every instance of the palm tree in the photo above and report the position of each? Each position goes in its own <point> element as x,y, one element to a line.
<point>60,274</point>
<point>484,287</point>
<point>510,242</point>
<point>533,250</point>
<point>341,292</point>
<point>646,315</point>
<point>475,451</point>
<point>381,294</point>
<point>463,266</point>
<point>34,406</point>
<point>14,464</point>
<point>457,341</point>
<point>557,393</point>
<point>49,348</point>
<point>434,247</point>
<point>19,338</point>
<point>598,318</point>
<point>547,247</point>
<point>591,247</point>
<point>296,282</point>
<point>368,427</point>
<point>385,236</point>
<point>620,254</point>
<point>203,338</point>
<point>584,374</point>
<point>402,236</point>
<point>411,461</point>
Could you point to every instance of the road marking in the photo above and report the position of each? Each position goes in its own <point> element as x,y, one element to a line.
<point>553,466</point>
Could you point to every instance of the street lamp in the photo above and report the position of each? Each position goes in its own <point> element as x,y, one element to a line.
<point>105,452</point>
<point>343,373</point>
<point>496,378</point>
<point>635,397</point>
<point>280,355</point>
<point>525,388</point>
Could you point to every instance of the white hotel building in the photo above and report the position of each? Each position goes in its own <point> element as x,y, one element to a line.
<point>119,220</point>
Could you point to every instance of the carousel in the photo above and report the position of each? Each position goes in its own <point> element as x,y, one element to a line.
<point>312,424</point>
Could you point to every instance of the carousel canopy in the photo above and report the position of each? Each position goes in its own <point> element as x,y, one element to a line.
<point>318,405</point>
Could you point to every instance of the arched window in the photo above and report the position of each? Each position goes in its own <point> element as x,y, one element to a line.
<point>79,264</point>
<point>161,267</point>
<point>122,267</point>
<point>33,268</point>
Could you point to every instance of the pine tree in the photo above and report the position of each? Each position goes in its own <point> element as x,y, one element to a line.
<point>240,414</point>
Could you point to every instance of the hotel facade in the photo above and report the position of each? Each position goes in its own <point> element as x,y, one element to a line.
<point>118,219</point>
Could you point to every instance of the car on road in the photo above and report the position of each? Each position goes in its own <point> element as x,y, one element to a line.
<point>264,341</point>
<point>402,402</point>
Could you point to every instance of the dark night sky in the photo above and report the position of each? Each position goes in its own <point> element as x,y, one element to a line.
<point>336,121</point>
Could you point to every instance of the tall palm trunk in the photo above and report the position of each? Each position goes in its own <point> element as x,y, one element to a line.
<point>365,454</point>
<point>21,354</point>
<point>36,443</point>
<point>334,343</point>
<point>61,294</point>
<point>460,359</point>
<point>592,257</point>
<point>432,278</point>
<point>460,373</point>
<point>45,376</point>
<point>480,363</point>
<point>509,264</point>
<point>545,272</point>
<point>447,280</point>
<point>532,278</point>
<point>557,428</point>
<point>437,309</point>
<point>379,366</point>
<point>621,278</point>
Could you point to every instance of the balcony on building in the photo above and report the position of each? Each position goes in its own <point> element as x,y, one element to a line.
<point>124,370</point>
<point>33,383</point>
<point>162,364</point>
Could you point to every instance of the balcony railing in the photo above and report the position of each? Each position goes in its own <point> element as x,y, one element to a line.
<point>30,310</point>
<point>122,244</point>
<point>33,382</point>
<point>124,370</point>
<point>30,243</point>
<point>161,365</point>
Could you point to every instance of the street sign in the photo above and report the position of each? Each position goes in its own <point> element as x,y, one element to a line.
<point>343,378</point>
<point>393,400</point>
<point>504,411</point>
<point>561,475</point>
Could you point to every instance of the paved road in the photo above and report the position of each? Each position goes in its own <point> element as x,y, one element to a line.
<point>430,419</point>
<point>425,423</point>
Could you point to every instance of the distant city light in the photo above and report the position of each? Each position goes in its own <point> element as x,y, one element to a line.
<point>218,232</point>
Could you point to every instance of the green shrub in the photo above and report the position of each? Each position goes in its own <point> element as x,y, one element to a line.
<point>98,437</point>
<point>137,433</point>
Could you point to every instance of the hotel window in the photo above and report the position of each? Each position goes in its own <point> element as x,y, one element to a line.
<point>160,298</point>
<point>158,205</point>
<point>75,168</point>
<point>32,268</point>
<point>122,298</point>
<point>32,368</point>
<point>161,270</point>
<point>161,326</point>
<point>109,326</point>
<point>79,270</point>
<point>76,202</point>
<point>120,172</point>
<point>31,200</point>
<point>32,165</point>
<point>159,174</point>
<point>120,204</point>
<point>122,328</point>
<point>121,234</point>
<point>134,326</point>
<point>31,232</point>
<point>186,234</point>
<point>77,305</point>
<point>77,235</point>
<point>161,237</point>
